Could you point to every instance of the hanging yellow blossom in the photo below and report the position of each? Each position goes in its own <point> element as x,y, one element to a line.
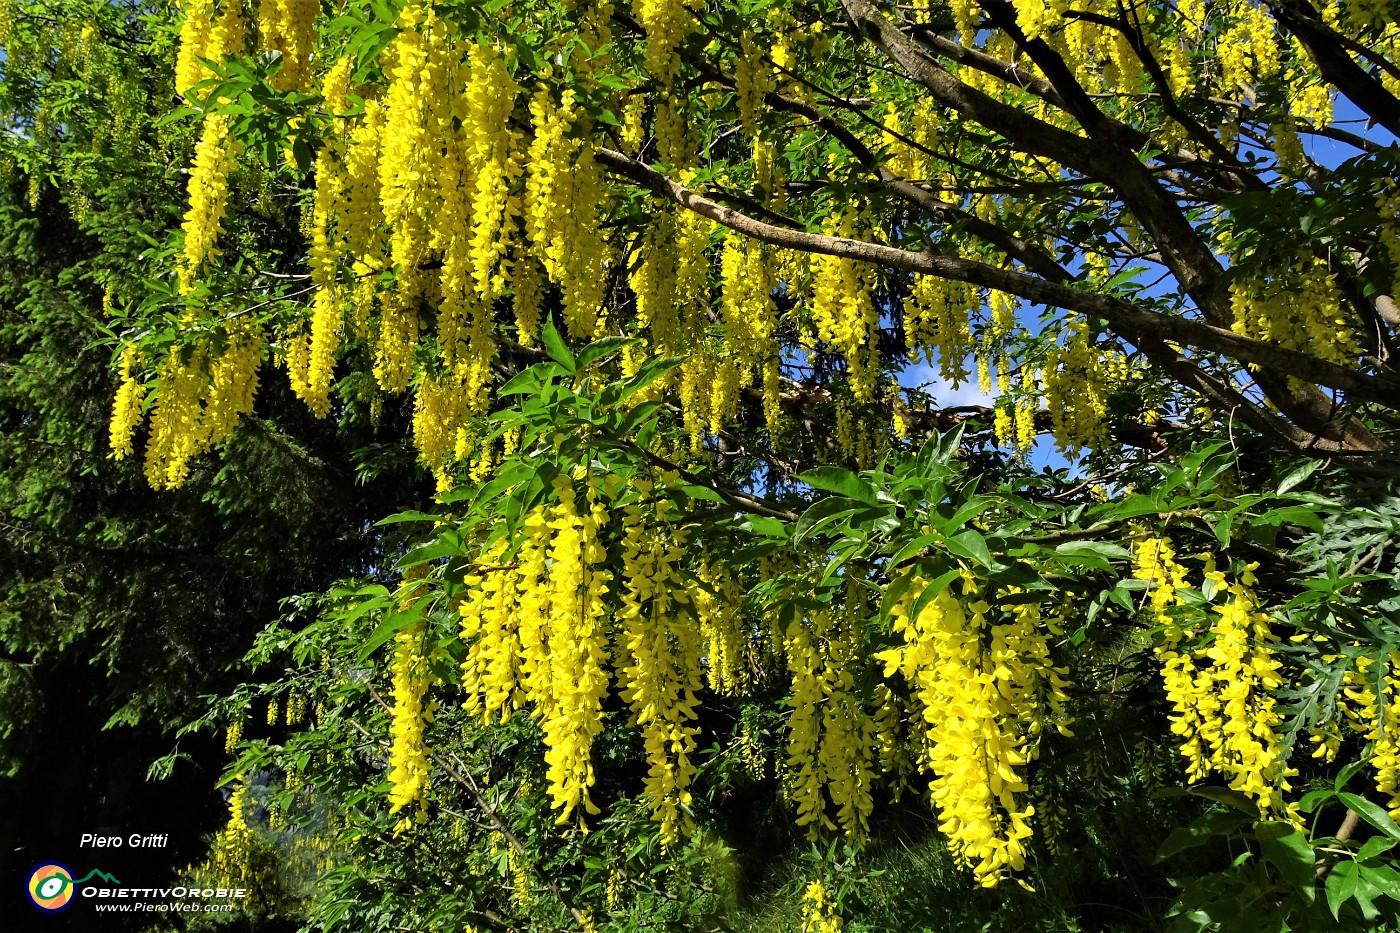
<point>214,158</point>
<point>986,690</point>
<point>408,757</point>
<point>126,410</point>
<point>563,189</point>
<point>660,663</point>
<point>289,28</point>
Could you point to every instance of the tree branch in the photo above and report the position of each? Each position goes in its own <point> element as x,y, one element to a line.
<point>1127,319</point>
<point>1325,48</point>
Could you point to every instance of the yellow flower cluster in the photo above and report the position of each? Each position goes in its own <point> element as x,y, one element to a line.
<point>1379,724</point>
<point>654,283</point>
<point>441,408</point>
<point>843,306</point>
<point>1250,36</point>
<point>819,913</point>
<point>719,605</point>
<point>667,23</point>
<point>573,647</point>
<point>747,308</point>
<point>520,880</point>
<point>205,35</point>
<point>936,316</point>
<point>231,855</point>
<point>330,209</point>
<point>215,155</point>
<point>200,401</point>
<point>895,764</point>
<point>858,438</point>
<point>495,165</point>
<point>491,624</point>
<point>1222,705</point>
<point>1156,564</point>
<point>830,747</point>
<point>1076,379</point>
<point>966,16</point>
<point>289,27</point>
<point>727,382</point>
<point>537,634</point>
<point>986,692</point>
<point>232,736</point>
<point>193,43</point>
<point>408,756</point>
<point>1385,758</point>
<point>296,708</point>
<point>1244,743</point>
<point>563,190</point>
<point>751,751</point>
<point>1037,17</point>
<point>365,217</point>
<point>417,106</point>
<point>696,373</point>
<point>751,82</point>
<point>1309,97</point>
<point>1300,307</point>
<point>660,659</point>
<point>126,410</point>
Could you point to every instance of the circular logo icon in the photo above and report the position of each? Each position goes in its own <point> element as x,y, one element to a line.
<point>51,887</point>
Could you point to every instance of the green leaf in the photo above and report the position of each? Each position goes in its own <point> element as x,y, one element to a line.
<point>764,525</point>
<point>894,593</point>
<point>1383,878</point>
<point>1371,813</point>
<point>557,349</point>
<point>1346,774</point>
<point>840,481</point>
<point>702,492</point>
<point>1298,476</point>
<point>652,370</point>
<point>913,547</point>
<point>939,449</point>
<point>1019,573</point>
<point>964,513</point>
<point>301,154</point>
<point>527,381</point>
<point>1313,797</point>
<point>931,591</point>
<point>972,545</point>
<point>431,551</point>
<point>600,348</point>
<point>1341,886</point>
<point>1211,826</point>
<point>824,512</point>
<point>409,516</point>
<point>1293,514</point>
<point>393,623</point>
<point>1288,849</point>
<point>1104,549</point>
<point>1230,798</point>
<point>1374,847</point>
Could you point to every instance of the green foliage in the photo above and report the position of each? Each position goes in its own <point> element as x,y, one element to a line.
<point>124,613</point>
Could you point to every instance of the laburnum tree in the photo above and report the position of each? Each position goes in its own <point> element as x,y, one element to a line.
<point>674,292</point>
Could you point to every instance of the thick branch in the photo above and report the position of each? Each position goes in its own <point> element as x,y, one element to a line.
<point>987,64</point>
<point>1336,66</point>
<point>1127,319</point>
<point>1189,258</point>
<point>1028,254</point>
